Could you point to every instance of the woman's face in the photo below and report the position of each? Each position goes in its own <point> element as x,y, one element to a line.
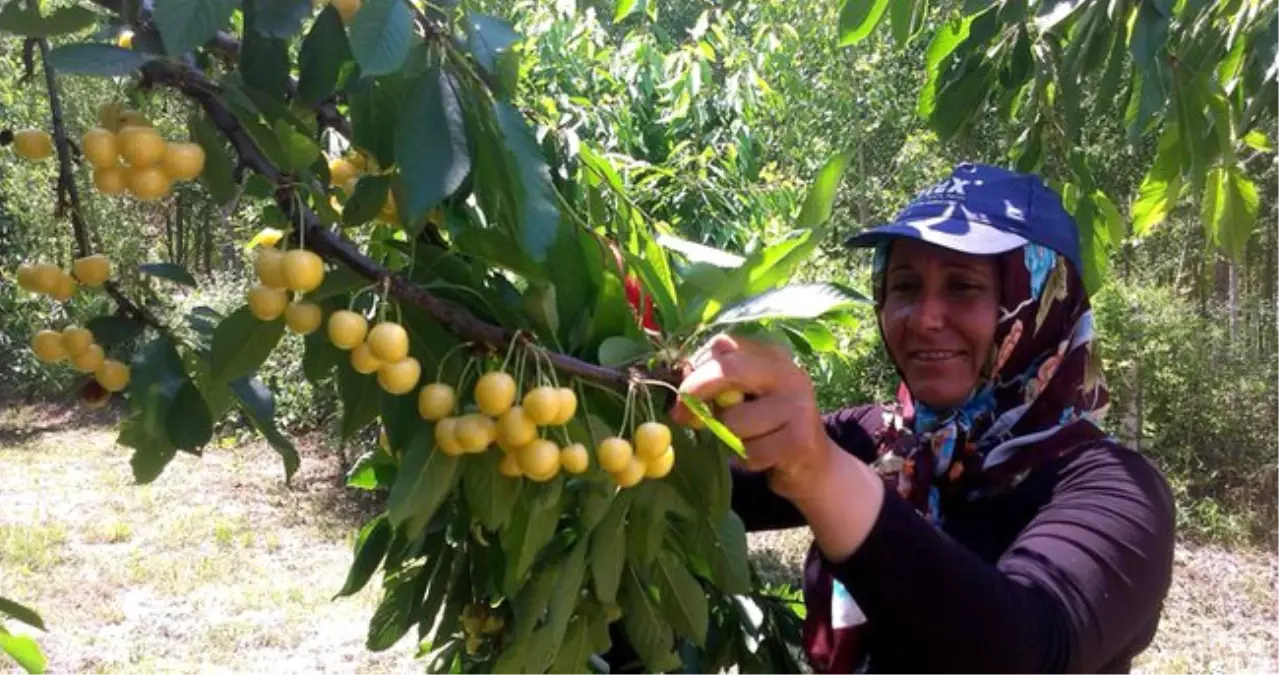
<point>939,315</point>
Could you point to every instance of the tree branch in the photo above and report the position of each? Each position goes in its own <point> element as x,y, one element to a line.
<point>335,247</point>
<point>69,194</point>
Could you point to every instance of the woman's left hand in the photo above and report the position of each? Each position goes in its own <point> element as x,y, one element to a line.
<point>779,423</point>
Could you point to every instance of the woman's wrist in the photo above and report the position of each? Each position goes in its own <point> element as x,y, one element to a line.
<point>841,504</point>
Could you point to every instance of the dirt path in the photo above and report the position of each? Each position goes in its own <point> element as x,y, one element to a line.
<point>219,567</point>
<point>215,567</point>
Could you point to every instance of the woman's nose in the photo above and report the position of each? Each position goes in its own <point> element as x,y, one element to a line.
<point>930,312</point>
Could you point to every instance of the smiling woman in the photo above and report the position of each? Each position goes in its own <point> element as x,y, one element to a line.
<point>986,522</point>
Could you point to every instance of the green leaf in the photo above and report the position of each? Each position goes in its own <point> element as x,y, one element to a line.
<point>608,549</point>
<point>157,376</point>
<point>1230,204</point>
<point>619,351</point>
<point>438,589</point>
<point>721,432</point>
<point>430,143</point>
<point>264,65</point>
<point>168,271</point>
<point>803,301</point>
<point>280,18</point>
<point>820,199</point>
<point>649,635</point>
<point>393,617</point>
<point>1160,187</point>
<point>682,599</point>
<point>426,478</point>
<point>943,44</point>
<point>381,34</point>
<point>539,216</point>
<point>494,246</point>
<point>96,59</point>
<point>110,330</point>
<point>24,650</point>
<point>299,151</point>
<point>361,397</point>
<point>723,544</point>
<point>152,451</point>
<point>858,19</point>
<point>701,474</point>
<point>258,406</point>
<point>623,9</point>
<point>700,253</point>
<point>489,38</point>
<point>370,547</point>
<point>188,423</point>
<point>320,357</point>
<point>241,343</point>
<point>65,20</point>
<point>646,525</point>
<point>372,470</point>
<point>532,525</point>
<point>1110,216</point>
<point>548,639</point>
<point>490,494</point>
<point>19,18</point>
<point>324,50</point>
<point>1257,140</point>
<point>576,650</point>
<point>375,107</point>
<point>187,24</point>
<point>21,613</point>
<point>218,176</point>
<point>366,202</point>
<point>907,18</point>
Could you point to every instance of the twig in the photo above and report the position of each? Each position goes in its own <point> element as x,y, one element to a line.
<point>335,247</point>
<point>69,194</point>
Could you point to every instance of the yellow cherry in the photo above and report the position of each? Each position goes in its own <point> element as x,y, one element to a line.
<point>495,393</point>
<point>363,361</point>
<point>347,329</point>
<point>436,401</point>
<point>400,376</point>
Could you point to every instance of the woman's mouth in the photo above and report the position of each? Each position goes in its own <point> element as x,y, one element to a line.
<point>935,355</point>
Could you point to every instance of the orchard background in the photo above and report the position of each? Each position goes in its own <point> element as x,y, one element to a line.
<point>578,195</point>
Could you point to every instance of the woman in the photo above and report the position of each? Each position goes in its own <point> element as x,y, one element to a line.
<point>985,523</point>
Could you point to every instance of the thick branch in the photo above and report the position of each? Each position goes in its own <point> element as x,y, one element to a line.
<point>69,194</point>
<point>335,247</point>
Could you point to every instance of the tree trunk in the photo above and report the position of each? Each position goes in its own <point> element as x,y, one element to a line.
<point>1232,299</point>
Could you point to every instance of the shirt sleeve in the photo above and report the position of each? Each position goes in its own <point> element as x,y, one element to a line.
<point>1079,584</point>
<point>760,509</point>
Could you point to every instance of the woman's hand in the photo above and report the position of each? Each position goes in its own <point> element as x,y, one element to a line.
<point>779,423</point>
<point>781,427</point>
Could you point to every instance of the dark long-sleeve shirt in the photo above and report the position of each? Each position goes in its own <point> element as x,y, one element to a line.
<point>1066,572</point>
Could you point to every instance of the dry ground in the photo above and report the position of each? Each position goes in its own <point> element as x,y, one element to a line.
<point>219,567</point>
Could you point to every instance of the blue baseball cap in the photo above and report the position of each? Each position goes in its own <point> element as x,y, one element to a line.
<point>984,210</point>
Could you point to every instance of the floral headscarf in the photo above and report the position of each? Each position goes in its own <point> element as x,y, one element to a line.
<point>1040,395</point>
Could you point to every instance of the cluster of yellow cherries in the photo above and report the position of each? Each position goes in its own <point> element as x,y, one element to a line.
<point>50,280</point>
<point>384,349</point>
<point>514,429</point>
<point>126,153</point>
<point>73,344</point>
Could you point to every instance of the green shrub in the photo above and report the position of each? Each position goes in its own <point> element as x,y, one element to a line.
<point>1206,407</point>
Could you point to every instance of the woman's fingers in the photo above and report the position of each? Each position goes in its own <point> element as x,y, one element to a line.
<point>759,417</point>
<point>728,362</point>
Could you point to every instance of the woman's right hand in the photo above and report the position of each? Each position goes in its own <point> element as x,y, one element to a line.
<point>781,428</point>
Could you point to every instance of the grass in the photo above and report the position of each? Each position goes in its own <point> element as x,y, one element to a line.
<point>218,566</point>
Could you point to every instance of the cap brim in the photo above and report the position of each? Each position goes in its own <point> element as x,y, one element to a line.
<point>956,234</point>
